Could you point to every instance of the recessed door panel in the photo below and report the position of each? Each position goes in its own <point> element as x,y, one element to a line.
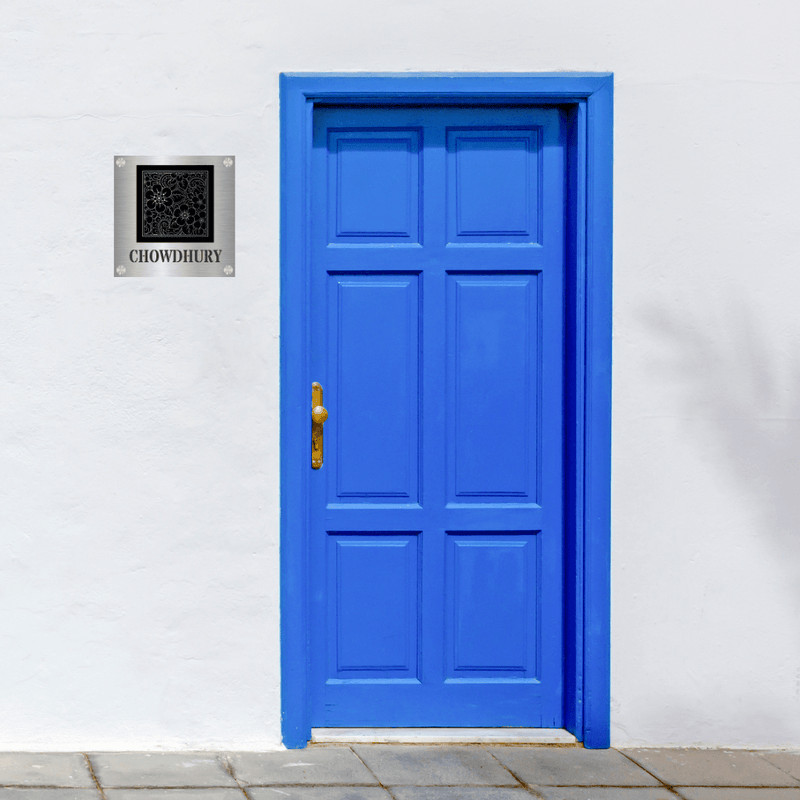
<point>373,185</point>
<point>372,597</point>
<point>492,443</point>
<point>493,185</point>
<point>374,434</point>
<point>492,589</point>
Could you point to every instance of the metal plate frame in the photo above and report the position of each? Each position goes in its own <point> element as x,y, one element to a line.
<point>181,256</point>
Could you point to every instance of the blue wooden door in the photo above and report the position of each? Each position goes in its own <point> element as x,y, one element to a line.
<point>437,332</point>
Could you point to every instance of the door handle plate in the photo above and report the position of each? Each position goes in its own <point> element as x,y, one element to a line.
<point>318,416</point>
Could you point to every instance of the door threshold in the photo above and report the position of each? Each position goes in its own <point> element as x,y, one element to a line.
<point>441,736</point>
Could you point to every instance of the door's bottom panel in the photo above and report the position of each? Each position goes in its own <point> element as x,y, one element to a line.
<point>373,605</point>
<point>491,615</point>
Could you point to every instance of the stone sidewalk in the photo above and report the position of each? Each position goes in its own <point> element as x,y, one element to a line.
<point>405,772</point>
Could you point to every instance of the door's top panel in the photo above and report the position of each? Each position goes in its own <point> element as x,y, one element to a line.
<point>493,185</point>
<point>374,186</point>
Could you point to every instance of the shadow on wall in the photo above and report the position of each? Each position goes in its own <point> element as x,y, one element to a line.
<point>744,388</point>
<point>735,389</point>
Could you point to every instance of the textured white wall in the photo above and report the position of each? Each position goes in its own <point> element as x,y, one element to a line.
<point>139,418</point>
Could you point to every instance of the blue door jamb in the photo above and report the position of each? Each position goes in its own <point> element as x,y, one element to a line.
<point>588,101</point>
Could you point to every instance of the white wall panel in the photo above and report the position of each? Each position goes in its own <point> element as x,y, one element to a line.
<point>139,428</point>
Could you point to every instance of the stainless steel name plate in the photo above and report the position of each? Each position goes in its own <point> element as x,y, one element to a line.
<point>174,216</point>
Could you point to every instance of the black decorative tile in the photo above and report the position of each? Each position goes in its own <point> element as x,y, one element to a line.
<point>174,203</point>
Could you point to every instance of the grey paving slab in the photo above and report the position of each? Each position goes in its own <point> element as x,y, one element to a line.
<point>319,793</point>
<point>325,765</point>
<point>45,769</point>
<point>433,765</point>
<point>34,793</point>
<point>459,793</point>
<point>692,767</point>
<point>787,760</point>
<point>176,794</point>
<point>159,770</point>
<point>605,793</point>
<point>728,793</point>
<point>572,766</point>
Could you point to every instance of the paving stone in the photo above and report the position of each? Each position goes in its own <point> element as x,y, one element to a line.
<point>176,794</point>
<point>571,766</point>
<point>459,793</point>
<point>320,793</point>
<point>718,793</point>
<point>159,770</point>
<point>433,765</point>
<point>45,769</point>
<point>320,765</point>
<point>34,793</point>
<point>787,760</point>
<point>694,767</point>
<point>604,793</point>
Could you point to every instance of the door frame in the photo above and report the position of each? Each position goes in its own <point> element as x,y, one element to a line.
<point>587,99</point>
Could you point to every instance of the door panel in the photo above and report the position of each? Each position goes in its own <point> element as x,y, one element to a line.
<point>373,605</point>
<point>493,185</point>
<point>376,361</point>
<point>437,317</point>
<point>374,175</point>
<point>492,584</point>
<point>492,319</point>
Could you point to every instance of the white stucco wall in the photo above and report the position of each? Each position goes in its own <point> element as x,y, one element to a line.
<point>139,491</point>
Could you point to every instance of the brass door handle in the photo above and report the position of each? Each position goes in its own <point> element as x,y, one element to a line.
<point>318,416</point>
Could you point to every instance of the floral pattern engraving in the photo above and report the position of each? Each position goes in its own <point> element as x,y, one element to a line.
<point>176,204</point>
<point>120,162</point>
<point>228,162</point>
<point>121,269</point>
<point>228,269</point>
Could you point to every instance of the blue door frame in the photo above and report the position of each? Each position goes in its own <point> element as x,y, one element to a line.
<point>587,100</point>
